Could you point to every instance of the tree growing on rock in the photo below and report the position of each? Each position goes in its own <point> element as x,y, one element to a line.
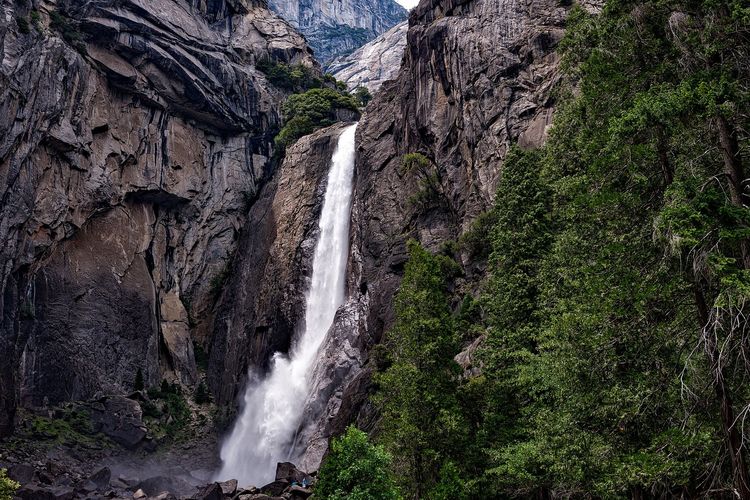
<point>363,96</point>
<point>422,423</point>
<point>138,384</point>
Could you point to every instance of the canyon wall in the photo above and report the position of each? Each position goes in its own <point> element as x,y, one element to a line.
<point>337,27</point>
<point>134,136</point>
<point>374,63</point>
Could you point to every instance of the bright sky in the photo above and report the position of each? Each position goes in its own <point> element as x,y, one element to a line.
<point>408,3</point>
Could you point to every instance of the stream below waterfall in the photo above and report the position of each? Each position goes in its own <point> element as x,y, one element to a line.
<point>273,404</point>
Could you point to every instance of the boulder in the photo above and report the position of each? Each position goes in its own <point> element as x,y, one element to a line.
<point>22,473</point>
<point>258,496</point>
<point>36,492</point>
<point>63,493</point>
<point>155,486</point>
<point>211,492</point>
<point>275,488</point>
<point>300,493</point>
<point>101,478</point>
<point>289,472</point>
<point>165,496</point>
<point>228,487</point>
<point>119,418</point>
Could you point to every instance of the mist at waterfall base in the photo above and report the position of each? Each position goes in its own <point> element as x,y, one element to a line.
<point>272,408</point>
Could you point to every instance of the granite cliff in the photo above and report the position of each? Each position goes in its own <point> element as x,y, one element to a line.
<point>335,28</point>
<point>374,63</point>
<point>134,135</point>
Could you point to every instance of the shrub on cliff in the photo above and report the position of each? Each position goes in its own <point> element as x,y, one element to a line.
<point>307,112</point>
<point>295,77</point>
<point>363,95</point>
<point>356,470</point>
<point>8,487</point>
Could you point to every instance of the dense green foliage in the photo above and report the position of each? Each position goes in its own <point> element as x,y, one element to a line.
<point>422,419</point>
<point>8,487</point>
<point>613,312</point>
<point>297,77</point>
<point>355,469</point>
<point>362,95</point>
<point>307,112</point>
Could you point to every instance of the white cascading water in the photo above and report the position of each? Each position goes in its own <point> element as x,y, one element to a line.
<point>273,406</point>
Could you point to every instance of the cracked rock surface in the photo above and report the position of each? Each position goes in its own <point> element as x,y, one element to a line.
<point>133,136</point>
<point>335,28</point>
<point>375,63</point>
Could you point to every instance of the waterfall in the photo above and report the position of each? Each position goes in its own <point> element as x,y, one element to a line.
<point>264,432</point>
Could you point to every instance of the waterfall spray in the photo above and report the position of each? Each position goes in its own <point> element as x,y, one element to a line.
<point>264,432</point>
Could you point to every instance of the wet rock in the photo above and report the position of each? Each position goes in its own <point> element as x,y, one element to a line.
<point>228,487</point>
<point>289,472</point>
<point>340,361</point>
<point>264,297</point>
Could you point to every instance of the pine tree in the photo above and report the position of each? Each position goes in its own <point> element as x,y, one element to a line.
<point>138,385</point>
<point>355,469</point>
<point>421,417</point>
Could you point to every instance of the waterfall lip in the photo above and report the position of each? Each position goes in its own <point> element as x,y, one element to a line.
<point>272,408</point>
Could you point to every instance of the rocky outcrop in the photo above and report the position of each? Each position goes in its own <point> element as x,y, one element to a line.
<point>337,28</point>
<point>373,64</point>
<point>133,136</point>
<point>264,299</point>
<point>477,77</point>
<point>119,418</point>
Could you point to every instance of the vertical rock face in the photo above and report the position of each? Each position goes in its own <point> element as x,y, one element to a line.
<point>477,77</point>
<point>264,300</point>
<point>337,27</point>
<point>375,63</point>
<point>133,136</point>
